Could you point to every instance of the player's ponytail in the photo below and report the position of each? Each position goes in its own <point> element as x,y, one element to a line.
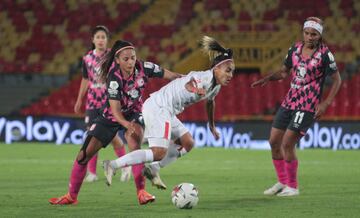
<point>217,53</point>
<point>108,60</point>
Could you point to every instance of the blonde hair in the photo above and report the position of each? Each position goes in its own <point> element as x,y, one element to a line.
<point>216,52</point>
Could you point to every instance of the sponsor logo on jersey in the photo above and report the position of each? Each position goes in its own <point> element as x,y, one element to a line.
<point>113,88</point>
<point>148,65</point>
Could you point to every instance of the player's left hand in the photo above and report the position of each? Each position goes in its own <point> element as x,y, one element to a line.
<point>320,110</point>
<point>214,132</point>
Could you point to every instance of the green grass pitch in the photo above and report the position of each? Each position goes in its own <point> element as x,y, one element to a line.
<point>230,181</point>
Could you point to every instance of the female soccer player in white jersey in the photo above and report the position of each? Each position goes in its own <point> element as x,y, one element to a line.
<point>161,108</point>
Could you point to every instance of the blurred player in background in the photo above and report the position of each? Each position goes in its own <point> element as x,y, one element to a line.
<point>308,63</point>
<point>96,96</point>
<point>161,108</point>
<point>126,78</point>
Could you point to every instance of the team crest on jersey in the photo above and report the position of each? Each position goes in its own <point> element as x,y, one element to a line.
<point>133,93</point>
<point>140,82</point>
<point>113,85</point>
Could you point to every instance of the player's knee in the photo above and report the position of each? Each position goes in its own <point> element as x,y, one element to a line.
<point>81,159</point>
<point>274,143</point>
<point>288,147</point>
<point>189,144</point>
<point>186,141</point>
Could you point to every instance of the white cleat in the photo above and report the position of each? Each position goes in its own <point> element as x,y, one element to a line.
<point>154,176</point>
<point>109,172</point>
<point>125,174</point>
<point>278,187</point>
<point>91,177</point>
<point>288,192</point>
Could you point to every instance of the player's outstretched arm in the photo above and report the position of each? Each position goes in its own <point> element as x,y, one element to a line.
<point>171,75</point>
<point>274,76</point>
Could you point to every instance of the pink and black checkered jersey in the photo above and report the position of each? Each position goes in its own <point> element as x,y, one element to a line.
<point>129,91</point>
<point>307,76</point>
<point>96,94</point>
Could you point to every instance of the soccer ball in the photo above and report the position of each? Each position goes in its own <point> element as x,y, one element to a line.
<point>185,196</point>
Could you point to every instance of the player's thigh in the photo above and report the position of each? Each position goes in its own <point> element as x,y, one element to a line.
<point>103,130</point>
<point>276,137</point>
<point>158,125</point>
<point>134,139</point>
<point>90,147</point>
<point>279,125</point>
<point>180,134</point>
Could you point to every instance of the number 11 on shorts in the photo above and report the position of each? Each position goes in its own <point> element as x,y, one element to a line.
<point>299,117</point>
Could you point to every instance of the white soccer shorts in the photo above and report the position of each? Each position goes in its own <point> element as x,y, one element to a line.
<point>160,125</point>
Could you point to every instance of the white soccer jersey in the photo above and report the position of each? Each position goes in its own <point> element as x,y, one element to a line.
<point>175,97</point>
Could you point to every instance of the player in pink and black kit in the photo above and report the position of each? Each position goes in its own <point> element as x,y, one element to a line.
<point>308,62</point>
<point>96,95</point>
<point>126,78</point>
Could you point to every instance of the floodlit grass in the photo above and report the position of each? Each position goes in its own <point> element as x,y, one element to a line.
<point>230,181</point>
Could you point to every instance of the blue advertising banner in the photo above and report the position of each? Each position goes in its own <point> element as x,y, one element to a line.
<point>244,134</point>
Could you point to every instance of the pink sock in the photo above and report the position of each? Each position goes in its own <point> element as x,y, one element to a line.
<point>77,176</point>
<point>280,171</point>
<point>120,151</point>
<point>92,164</point>
<point>291,170</point>
<point>138,177</point>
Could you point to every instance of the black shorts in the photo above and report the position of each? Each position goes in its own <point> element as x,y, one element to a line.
<point>90,116</point>
<point>296,120</point>
<point>105,130</point>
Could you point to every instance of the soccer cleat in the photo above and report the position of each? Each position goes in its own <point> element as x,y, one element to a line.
<point>91,177</point>
<point>278,187</point>
<point>154,177</point>
<point>288,192</point>
<point>144,197</point>
<point>63,200</point>
<point>125,174</point>
<point>109,172</point>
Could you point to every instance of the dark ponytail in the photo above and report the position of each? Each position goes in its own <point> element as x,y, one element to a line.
<point>217,53</point>
<point>108,58</point>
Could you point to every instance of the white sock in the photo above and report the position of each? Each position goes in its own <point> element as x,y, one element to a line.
<point>172,154</point>
<point>132,158</point>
